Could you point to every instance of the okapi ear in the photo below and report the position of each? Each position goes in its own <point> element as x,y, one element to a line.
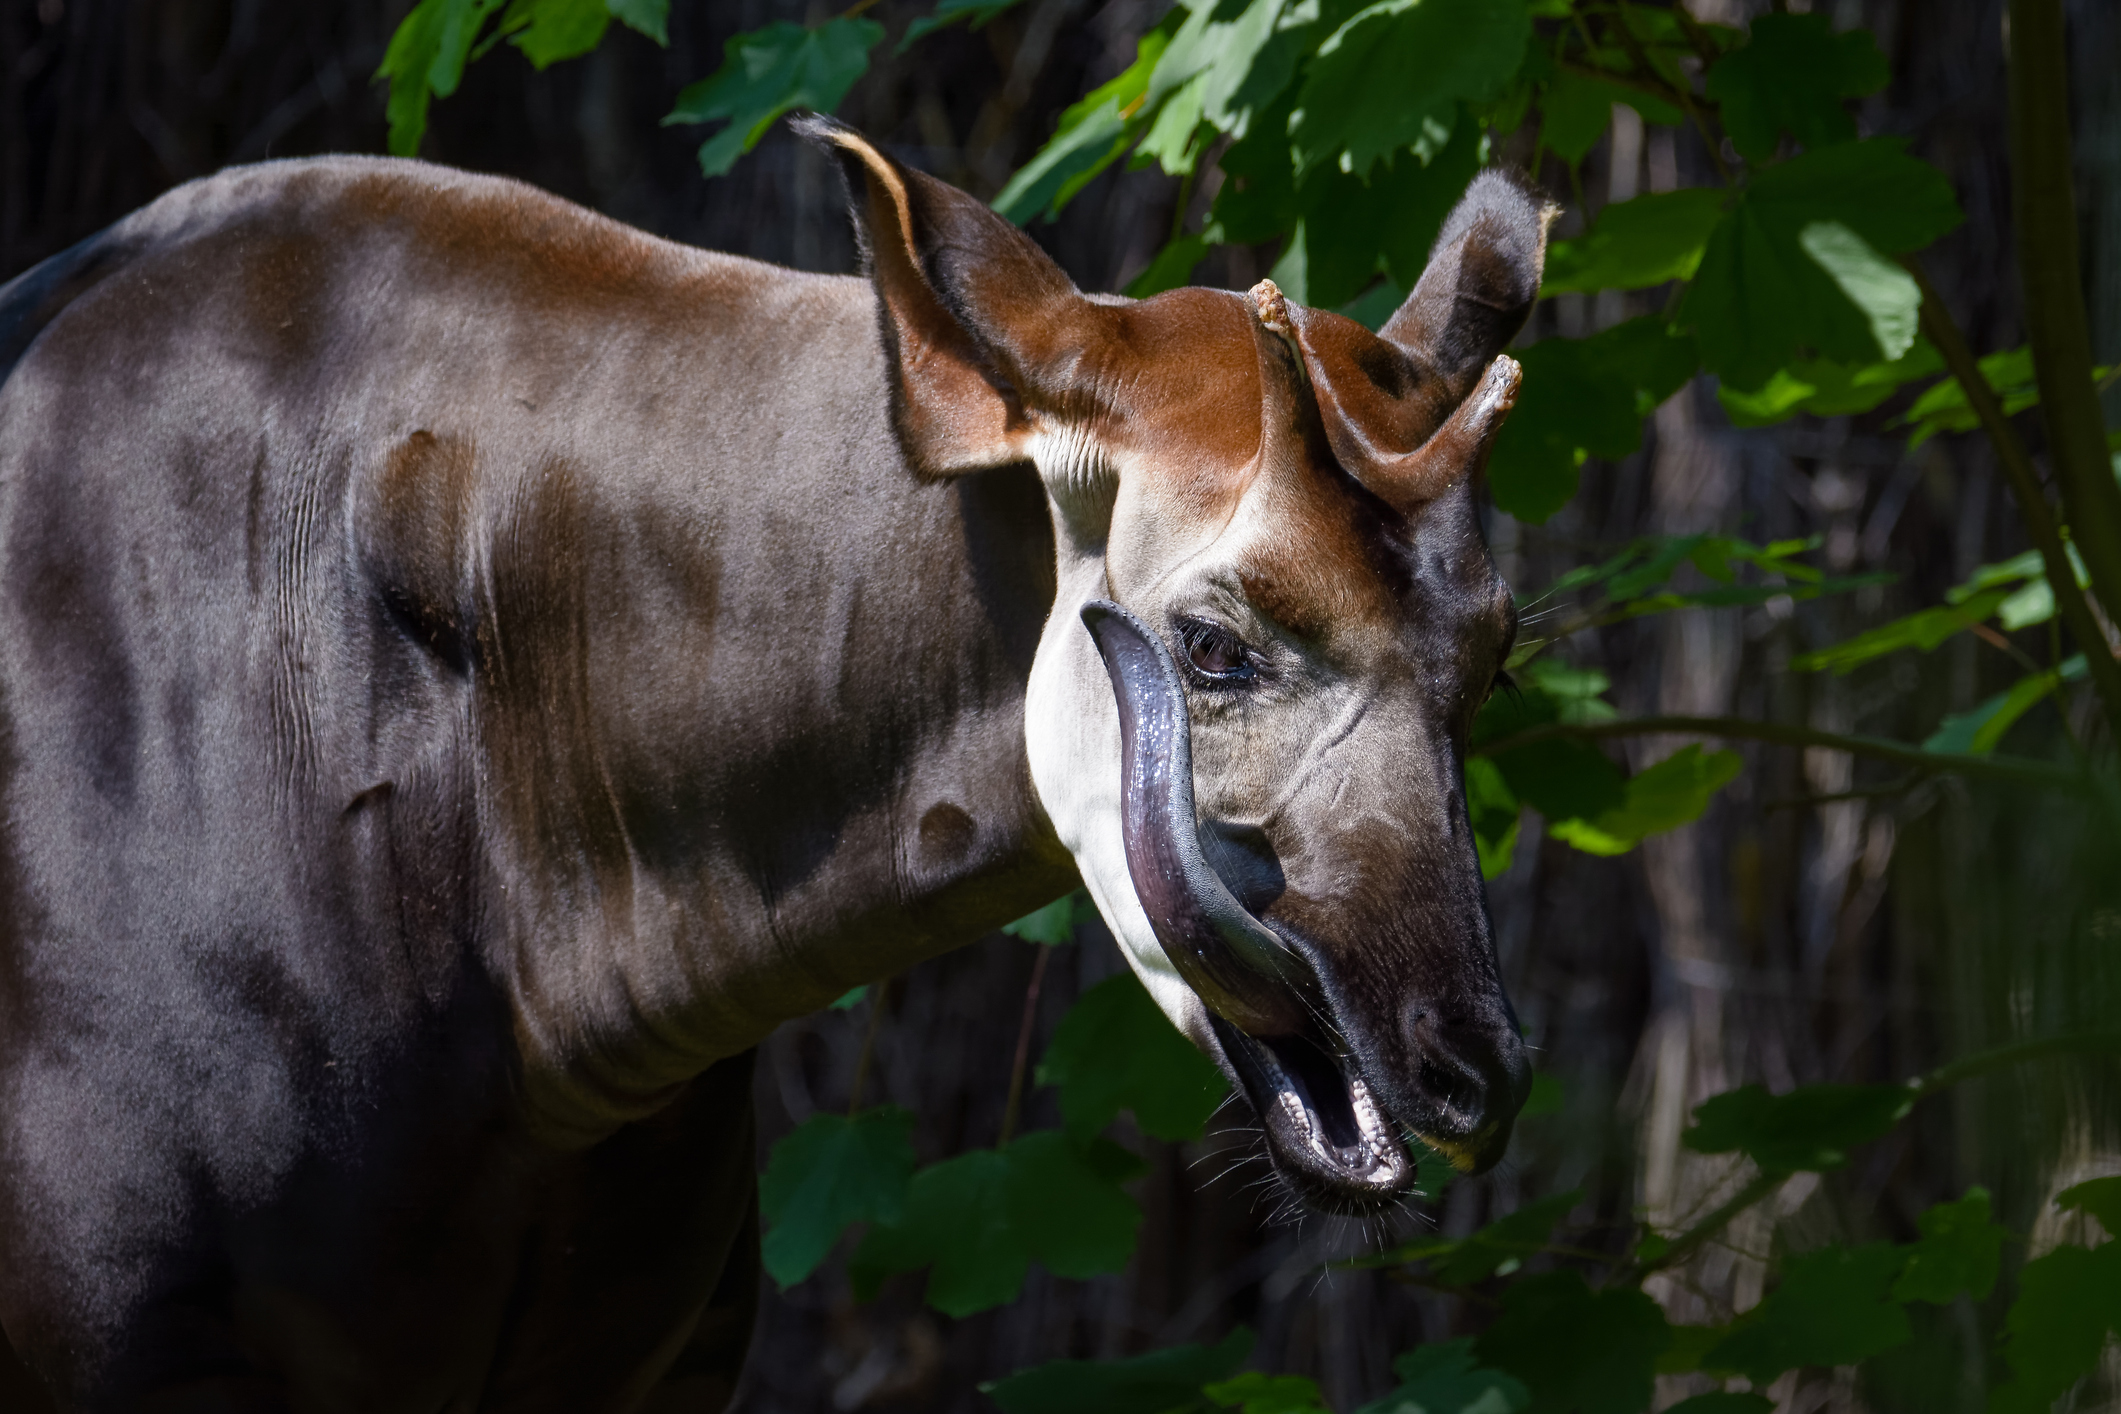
<point>1481,280</point>
<point>1414,408</point>
<point>971,309</point>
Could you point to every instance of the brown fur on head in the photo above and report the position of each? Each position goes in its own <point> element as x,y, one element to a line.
<point>1284,500</point>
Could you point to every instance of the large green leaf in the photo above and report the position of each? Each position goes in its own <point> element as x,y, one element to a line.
<point>1091,135</point>
<point>765,73</point>
<point>1576,1350</point>
<point>1960,1250</point>
<point>1115,1050</point>
<point>1054,925</point>
<point>1239,57</point>
<point>1923,629</point>
<point>425,60</point>
<point>830,1172</point>
<point>1637,243</point>
<point>1386,74</point>
<point>2068,1302</point>
<point>1067,1205</point>
<point>2098,1197</point>
<point>1160,1382</point>
<point>1496,815</point>
<point>1448,1378</point>
<point>1834,1307</point>
<point>1761,299</point>
<point>548,31</point>
<point>1824,388</point>
<point>1812,1127</point>
<point>1581,398</point>
<point>1663,797</point>
<point>1576,108</point>
<point>1981,729</point>
<point>1791,76</point>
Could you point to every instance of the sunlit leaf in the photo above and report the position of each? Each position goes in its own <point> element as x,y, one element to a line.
<point>1662,797</point>
<point>426,60</point>
<point>1645,241</point>
<point>1960,1250</point>
<point>1923,630</point>
<point>2068,1302</point>
<point>1811,1128</point>
<point>1980,730</point>
<point>1054,925</point>
<point>1091,135</point>
<point>830,1172</point>
<point>1824,388</point>
<point>850,999</point>
<point>1885,293</point>
<point>1380,75</point>
<point>548,31</point>
<point>1577,1351</point>
<point>1255,1393</point>
<point>1165,1381</point>
<point>1759,300</point>
<point>1448,1378</point>
<point>1115,1050</point>
<point>1944,406</point>
<point>765,73</point>
<point>1791,76</point>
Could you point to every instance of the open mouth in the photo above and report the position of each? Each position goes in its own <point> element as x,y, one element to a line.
<point>1325,1128</point>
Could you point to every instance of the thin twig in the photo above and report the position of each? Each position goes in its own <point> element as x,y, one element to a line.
<point>877,995</point>
<point>1014,1111</point>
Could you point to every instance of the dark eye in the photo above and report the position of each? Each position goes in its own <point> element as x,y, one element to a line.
<point>1503,683</point>
<point>1215,652</point>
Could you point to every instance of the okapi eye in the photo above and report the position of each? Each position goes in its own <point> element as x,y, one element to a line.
<point>1503,683</point>
<point>1216,653</point>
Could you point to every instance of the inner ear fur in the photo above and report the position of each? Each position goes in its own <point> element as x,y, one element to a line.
<point>1415,407</point>
<point>978,323</point>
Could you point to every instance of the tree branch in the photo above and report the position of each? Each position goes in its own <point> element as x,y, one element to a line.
<point>2039,517</point>
<point>2044,208</point>
<point>2005,768</point>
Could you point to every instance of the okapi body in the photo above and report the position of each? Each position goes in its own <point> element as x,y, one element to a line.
<point>470,670</point>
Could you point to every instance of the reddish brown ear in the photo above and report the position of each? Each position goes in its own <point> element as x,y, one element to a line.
<point>977,321</point>
<point>1401,407</point>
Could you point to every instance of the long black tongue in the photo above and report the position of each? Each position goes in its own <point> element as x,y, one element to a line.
<point>1240,969</point>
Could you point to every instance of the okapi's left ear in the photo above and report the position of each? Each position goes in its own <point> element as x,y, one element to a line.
<point>981,328</point>
<point>1414,408</point>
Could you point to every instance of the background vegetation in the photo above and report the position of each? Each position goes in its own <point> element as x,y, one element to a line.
<point>1741,485</point>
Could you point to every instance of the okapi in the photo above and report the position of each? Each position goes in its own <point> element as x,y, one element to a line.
<point>469,670</point>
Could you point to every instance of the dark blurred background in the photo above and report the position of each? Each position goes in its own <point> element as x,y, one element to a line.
<point>1823,922</point>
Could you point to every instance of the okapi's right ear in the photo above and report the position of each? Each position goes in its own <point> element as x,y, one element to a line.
<point>974,314</point>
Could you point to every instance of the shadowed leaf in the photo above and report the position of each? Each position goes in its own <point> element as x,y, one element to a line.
<point>1812,1127</point>
<point>1960,1250</point>
<point>1160,1382</point>
<point>1646,241</point>
<point>1576,1349</point>
<point>1834,1307</point>
<point>1662,797</point>
<point>1115,1050</point>
<point>1447,1378</point>
<point>2068,1302</point>
<point>1791,76</point>
<point>830,1172</point>
<point>1255,1393</point>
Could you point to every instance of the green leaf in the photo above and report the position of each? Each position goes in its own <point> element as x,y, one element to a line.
<point>1172,267</point>
<point>1792,76</point>
<point>1239,58</point>
<point>2067,1302</point>
<point>1669,794</point>
<point>1447,1378</point>
<point>1255,1393</point>
<point>1115,1050</point>
<point>768,71</point>
<point>1576,1349</point>
<point>1923,629</point>
<point>1834,1307</point>
<point>1067,1206</point>
<point>1174,133</point>
<point>1811,1128</point>
<point>831,1171</point>
<point>425,60</point>
<point>1824,388</point>
<point>1395,65</point>
<point>1689,1344</point>
<point>848,1001</point>
<point>1160,1382</point>
<point>547,31</point>
<point>1637,243</point>
<point>1960,1250</point>
<point>2100,1198</point>
<point>1563,779</point>
<point>1981,730</point>
<point>649,17</point>
<point>1493,808</point>
<point>958,1220</point>
<point>1092,133</point>
<point>950,12</point>
<point>1576,107</point>
<point>1545,1099</point>
<point>1504,1243</point>
<point>1760,300</point>
<point>1944,408</point>
<point>1054,925</point>
<point>1886,294</point>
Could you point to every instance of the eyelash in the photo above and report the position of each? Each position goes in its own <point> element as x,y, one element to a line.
<point>1198,634</point>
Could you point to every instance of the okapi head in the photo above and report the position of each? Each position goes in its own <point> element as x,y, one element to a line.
<point>1249,710</point>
